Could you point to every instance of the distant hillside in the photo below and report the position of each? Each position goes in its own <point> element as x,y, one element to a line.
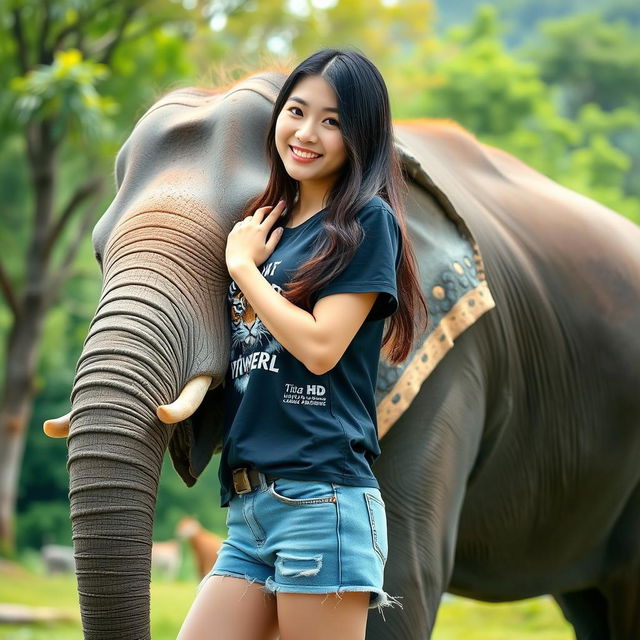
<point>520,17</point>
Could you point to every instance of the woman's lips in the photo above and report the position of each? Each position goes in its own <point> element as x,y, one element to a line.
<point>303,160</point>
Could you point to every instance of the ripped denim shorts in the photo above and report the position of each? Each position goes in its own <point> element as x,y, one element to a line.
<point>298,536</point>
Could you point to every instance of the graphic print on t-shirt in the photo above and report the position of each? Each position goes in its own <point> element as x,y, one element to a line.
<point>252,345</point>
<point>309,394</point>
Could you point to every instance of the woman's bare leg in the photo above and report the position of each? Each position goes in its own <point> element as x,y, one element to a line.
<point>322,616</point>
<point>228,608</point>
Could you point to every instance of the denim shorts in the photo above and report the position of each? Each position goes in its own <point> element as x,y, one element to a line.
<point>298,536</point>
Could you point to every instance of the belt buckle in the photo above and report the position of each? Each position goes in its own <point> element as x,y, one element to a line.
<point>241,481</point>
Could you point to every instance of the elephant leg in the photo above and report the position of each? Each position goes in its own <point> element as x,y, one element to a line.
<point>587,611</point>
<point>622,587</point>
<point>423,469</point>
<point>623,598</point>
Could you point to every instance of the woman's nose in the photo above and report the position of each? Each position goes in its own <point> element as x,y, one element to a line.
<point>306,133</point>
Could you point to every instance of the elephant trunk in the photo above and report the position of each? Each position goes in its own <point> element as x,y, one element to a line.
<point>114,474</point>
<point>159,324</point>
<point>116,446</point>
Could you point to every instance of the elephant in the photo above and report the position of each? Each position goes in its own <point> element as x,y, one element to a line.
<point>510,437</point>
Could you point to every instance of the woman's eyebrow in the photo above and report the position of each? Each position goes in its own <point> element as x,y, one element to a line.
<point>306,104</point>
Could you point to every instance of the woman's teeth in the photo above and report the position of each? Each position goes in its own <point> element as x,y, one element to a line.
<point>304,154</point>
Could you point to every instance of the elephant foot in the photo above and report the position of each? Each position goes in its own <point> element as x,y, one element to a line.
<point>587,612</point>
<point>608,612</point>
<point>623,598</point>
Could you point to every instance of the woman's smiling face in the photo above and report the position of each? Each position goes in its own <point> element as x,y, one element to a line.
<point>309,124</point>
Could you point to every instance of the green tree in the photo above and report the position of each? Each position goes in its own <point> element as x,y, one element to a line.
<point>472,78</point>
<point>475,81</point>
<point>522,18</point>
<point>390,33</point>
<point>592,61</point>
<point>595,64</point>
<point>58,122</point>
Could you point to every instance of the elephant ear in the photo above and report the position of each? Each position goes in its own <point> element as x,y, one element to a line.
<point>441,160</point>
<point>196,439</point>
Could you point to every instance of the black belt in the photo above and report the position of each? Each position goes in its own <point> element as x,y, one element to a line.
<point>246,480</point>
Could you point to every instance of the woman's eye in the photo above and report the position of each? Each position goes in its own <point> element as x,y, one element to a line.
<point>331,121</point>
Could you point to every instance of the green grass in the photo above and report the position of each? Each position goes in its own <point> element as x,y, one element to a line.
<point>170,602</point>
<point>534,619</point>
<point>458,618</point>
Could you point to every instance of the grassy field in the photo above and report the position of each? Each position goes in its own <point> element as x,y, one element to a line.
<point>458,619</point>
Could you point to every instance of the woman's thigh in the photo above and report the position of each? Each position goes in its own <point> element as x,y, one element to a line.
<point>305,616</point>
<point>229,608</point>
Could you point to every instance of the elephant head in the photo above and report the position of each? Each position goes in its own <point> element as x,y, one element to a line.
<point>150,372</point>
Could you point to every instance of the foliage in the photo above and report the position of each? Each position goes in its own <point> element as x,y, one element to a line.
<point>476,82</point>
<point>604,65</point>
<point>64,92</point>
<point>522,18</point>
<point>599,85</point>
<point>60,129</point>
<point>248,35</point>
<point>249,28</point>
<point>505,101</point>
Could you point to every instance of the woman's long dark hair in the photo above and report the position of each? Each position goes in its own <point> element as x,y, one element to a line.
<point>372,168</point>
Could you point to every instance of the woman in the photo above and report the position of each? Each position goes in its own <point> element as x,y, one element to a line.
<point>313,279</point>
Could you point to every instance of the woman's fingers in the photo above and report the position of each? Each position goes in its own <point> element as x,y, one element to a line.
<point>275,211</point>
<point>275,214</point>
<point>273,240</point>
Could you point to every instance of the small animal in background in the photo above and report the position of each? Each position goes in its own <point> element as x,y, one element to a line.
<point>165,558</point>
<point>57,558</point>
<point>205,544</point>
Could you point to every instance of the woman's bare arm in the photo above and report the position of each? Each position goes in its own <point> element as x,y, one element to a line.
<point>317,339</point>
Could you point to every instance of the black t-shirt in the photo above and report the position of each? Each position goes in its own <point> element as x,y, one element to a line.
<point>279,417</point>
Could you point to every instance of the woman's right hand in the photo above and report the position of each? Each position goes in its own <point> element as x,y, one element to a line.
<point>247,241</point>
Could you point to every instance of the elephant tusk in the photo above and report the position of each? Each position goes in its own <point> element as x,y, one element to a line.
<point>189,400</point>
<point>57,427</point>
